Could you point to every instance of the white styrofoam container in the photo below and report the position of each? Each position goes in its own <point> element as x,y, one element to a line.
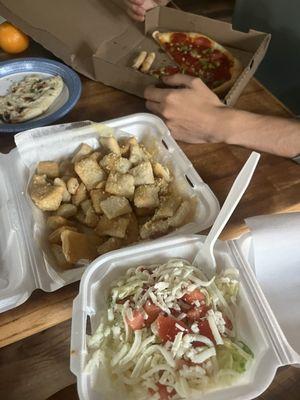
<point>24,265</point>
<point>256,323</point>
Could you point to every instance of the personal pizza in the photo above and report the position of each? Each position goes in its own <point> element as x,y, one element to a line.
<point>29,98</point>
<point>197,55</point>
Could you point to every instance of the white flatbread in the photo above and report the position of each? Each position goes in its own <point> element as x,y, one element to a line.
<point>29,98</point>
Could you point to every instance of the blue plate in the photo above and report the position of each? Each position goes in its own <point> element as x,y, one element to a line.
<point>15,70</point>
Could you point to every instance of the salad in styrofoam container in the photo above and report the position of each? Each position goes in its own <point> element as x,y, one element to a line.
<point>159,329</point>
<point>169,332</point>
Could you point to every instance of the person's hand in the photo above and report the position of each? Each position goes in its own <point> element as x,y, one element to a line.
<point>192,112</point>
<point>136,9</point>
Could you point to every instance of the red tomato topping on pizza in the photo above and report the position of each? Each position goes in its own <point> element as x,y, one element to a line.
<point>179,37</point>
<point>202,42</point>
<point>137,322</point>
<point>167,328</point>
<point>195,295</point>
<point>171,70</point>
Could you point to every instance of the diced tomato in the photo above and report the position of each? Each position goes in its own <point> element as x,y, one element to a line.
<point>137,322</point>
<point>163,393</point>
<point>193,296</point>
<point>167,329</point>
<point>228,323</point>
<point>194,314</point>
<point>152,310</point>
<point>180,363</point>
<point>205,330</point>
<point>175,313</point>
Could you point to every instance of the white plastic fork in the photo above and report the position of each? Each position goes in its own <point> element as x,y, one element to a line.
<point>205,256</point>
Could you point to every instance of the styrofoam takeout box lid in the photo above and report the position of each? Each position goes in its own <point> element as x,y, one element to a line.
<point>23,264</point>
<point>256,322</point>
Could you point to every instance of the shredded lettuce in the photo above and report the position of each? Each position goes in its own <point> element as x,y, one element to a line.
<point>135,354</point>
<point>232,356</point>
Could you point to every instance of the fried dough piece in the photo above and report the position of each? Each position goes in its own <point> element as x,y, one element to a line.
<point>66,210</point>
<point>112,227</point>
<point>47,197</point>
<point>66,168</point>
<point>163,185</point>
<point>161,171</point>
<point>143,212</point>
<point>100,185</point>
<point>91,218</point>
<point>96,155</point>
<point>72,185</point>
<point>49,168</point>
<point>132,232</point>
<point>182,214</point>
<point>143,174</point>
<point>110,245</point>
<point>56,221</point>
<point>60,257</point>
<point>85,205</point>
<point>66,195</point>
<point>120,184</point>
<point>98,195</point>
<point>168,206</point>
<point>89,171</point>
<point>111,144</point>
<point>114,162</point>
<point>136,153</point>
<point>146,196</point>
<point>55,236</point>
<point>79,246</point>
<point>114,206</point>
<point>83,151</point>
<point>80,195</point>
<point>153,229</point>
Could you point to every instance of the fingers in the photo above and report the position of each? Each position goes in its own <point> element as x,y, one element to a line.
<point>154,107</point>
<point>136,2</point>
<point>181,134</point>
<point>153,93</point>
<point>135,9</point>
<point>179,80</point>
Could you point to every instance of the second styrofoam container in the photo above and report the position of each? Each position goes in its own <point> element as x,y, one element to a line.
<point>256,323</point>
<point>24,263</point>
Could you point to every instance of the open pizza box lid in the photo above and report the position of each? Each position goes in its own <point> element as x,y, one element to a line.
<point>270,331</point>
<point>100,41</point>
<point>25,259</point>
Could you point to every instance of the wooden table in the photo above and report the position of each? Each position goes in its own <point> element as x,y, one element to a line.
<point>36,365</point>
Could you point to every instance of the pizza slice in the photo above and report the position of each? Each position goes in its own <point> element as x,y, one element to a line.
<point>198,55</point>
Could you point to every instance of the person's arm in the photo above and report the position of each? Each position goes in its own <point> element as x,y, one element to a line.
<point>194,114</point>
<point>136,9</point>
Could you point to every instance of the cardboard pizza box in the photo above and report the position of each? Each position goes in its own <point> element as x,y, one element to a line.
<point>97,39</point>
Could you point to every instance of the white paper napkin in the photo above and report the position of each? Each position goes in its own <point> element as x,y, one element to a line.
<point>276,246</point>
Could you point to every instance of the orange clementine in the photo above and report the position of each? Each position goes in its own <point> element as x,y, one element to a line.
<point>12,40</point>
